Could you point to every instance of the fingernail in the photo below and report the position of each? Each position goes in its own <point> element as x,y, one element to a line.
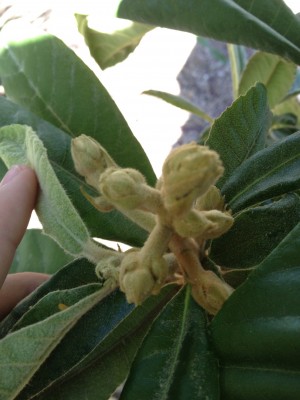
<point>12,173</point>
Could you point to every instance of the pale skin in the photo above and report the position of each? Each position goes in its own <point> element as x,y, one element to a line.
<point>18,192</point>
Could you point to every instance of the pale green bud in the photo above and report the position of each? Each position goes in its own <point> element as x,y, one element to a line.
<point>188,172</point>
<point>192,224</point>
<point>211,200</point>
<point>90,158</point>
<point>98,202</point>
<point>222,222</point>
<point>139,279</point>
<point>123,187</point>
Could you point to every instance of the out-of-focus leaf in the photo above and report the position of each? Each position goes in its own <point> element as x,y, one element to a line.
<point>267,25</point>
<point>256,334</point>
<point>38,253</point>
<point>110,48</point>
<point>175,360</point>
<point>22,352</point>
<point>41,73</point>
<point>241,130</point>
<point>274,72</point>
<point>271,172</point>
<point>111,226</point>
<point>256,232</point>
<point>19,144</point>
<point>179,102</point>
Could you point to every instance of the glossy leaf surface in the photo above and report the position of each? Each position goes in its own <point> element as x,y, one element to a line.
<point>256,334</point>
<point>274,72</point>
<point>271,172</point>
<point>175,360</point>
<point>241,130</point>
<point>267,25</point>
<point>41,73</point>
<point>256,232</point>
<point>111,226</point>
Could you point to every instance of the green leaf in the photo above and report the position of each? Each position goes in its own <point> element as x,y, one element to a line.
<point>20,145</point>
<point>241,130</point>
<point>41,73</point>
<point>38,253</point>
<point>110,48</point>
<point>271,172</point>
<point>175,360</point>
<point>238,58</point>
<point>179,102</point>
<point>106,340</point>
<point>256,232</point>
<point>22,352</point>
<point>78,273</point>
<point>256,334</point>
<point>111,226</point>
<point>269,25</point>
<point>275,73</point>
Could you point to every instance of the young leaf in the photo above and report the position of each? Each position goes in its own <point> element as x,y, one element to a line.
<point>175,360</point>
<point>271,172</point>
<point>254,24</point>
<point>256,334</point>
<point>20,145</point>
<point>274,72</point>
<point>78,273</point>
<point>241,130</point>
<point>106,340</point>
<point>41,73</point>
<point>256,232</point>
<point>110,226</point>
<point>110,48</point>
<point>22,352</point>
<point>179,102</point>
<point>38,253</point>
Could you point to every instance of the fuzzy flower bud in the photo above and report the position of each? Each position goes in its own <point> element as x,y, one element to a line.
<point>123,187</point>
<point>211,200</point>
<point>90,158</point>
<point>222,222</point>
<point>139,279</point>
<point>188,172</point>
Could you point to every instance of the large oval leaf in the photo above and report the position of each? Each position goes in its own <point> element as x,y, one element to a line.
<point>274,72</point>
<point>267,25</point>
<point>271,172</point>
<point>111,226</point>
<point>41,73</point>
<point>241,130</point>
<point>175,360</point>
<point>256,334</point>
<point>256,232</point>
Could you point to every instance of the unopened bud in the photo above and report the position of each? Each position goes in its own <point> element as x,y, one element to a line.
<point>192,224</point>
<point>222,222</point>
<point>139,279</point>
<point>211,200</point>
<point>123,187</point>
<point>188,172</point>
<point>90,158</point>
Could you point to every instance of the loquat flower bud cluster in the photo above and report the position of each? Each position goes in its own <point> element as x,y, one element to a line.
<point>184,205</point>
